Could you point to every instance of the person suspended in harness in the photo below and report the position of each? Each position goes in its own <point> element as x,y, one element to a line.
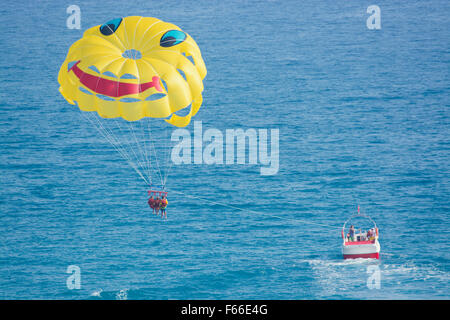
<point>151,203</point>
<point>157,205</point>
<point>163,206</point>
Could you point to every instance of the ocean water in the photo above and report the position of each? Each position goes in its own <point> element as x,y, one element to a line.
<point>363,119</point>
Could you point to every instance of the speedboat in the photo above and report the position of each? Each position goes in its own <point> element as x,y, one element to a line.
<point>362,244</point>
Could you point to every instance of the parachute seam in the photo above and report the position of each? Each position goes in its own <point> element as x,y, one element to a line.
<point>145,32</point>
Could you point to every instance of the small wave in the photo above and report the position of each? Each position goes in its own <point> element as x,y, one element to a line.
<point>122,295</point>
<point>110,295</point>
<point>97,293</point>
<point>343,262</point>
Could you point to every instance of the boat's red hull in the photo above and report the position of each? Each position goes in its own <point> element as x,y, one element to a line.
<point>375,255</point>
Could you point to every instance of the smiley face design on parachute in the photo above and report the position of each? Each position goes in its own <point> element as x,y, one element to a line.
<point>132,68</point>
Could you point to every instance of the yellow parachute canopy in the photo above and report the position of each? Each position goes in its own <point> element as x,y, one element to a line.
<point>132,68</point>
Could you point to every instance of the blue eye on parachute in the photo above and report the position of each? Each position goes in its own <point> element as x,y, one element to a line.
<point>172,38</point>
<point>110,27</point>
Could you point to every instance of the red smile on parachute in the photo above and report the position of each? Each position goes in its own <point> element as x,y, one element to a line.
<point>113,88</point>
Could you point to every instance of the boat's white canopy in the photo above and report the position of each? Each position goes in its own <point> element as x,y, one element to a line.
<point>359,215</point>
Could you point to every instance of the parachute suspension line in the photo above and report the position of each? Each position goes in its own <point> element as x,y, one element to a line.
<point>118,146</point>
<point>129,154</point>
<point>169,158</point>
<point>138,145</point>
<point>163,148</point>
<point>122,145</point>
<point>253,211</point>
<point>152,168</point>
<point>165,155</point>
<point>130,125</point>
<point>112,140</point>
<point>144,136</point>
<point>167,175</point>
<point>137,155</point>
<point>132,152</point>
<point>156,157</point>
<point>108,138</point>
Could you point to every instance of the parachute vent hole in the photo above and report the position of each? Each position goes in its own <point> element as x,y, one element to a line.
<point>132,54</point>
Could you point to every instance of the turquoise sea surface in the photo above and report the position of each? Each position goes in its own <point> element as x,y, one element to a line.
<point>363,118</point>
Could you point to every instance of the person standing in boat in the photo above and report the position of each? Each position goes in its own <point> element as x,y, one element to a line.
<point>351,232</point>
<point>372,234</point>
